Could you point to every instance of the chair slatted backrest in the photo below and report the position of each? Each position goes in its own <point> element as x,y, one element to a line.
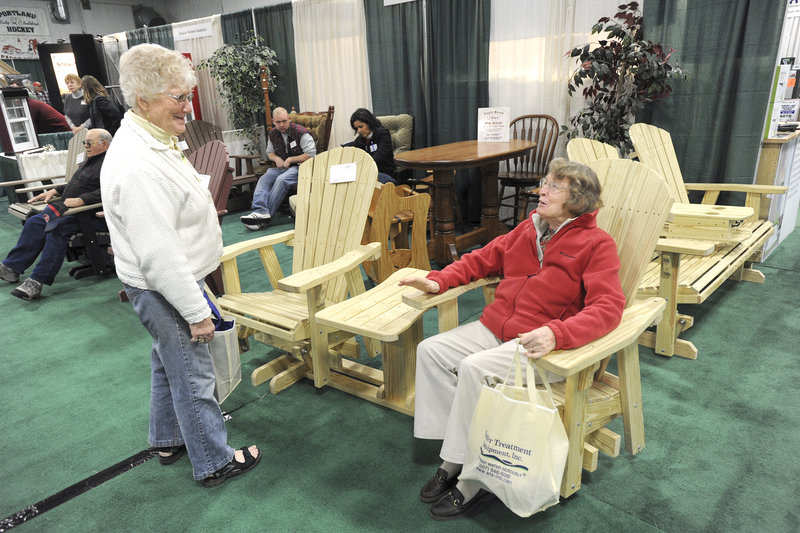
<point>74,150</point>
<point>198,133</point>
<point>636,204</point>
<point>582,150</point>
<point>330,217</point>
<point>318,123</point>
<point>212,159</point>
<point>541,129</point>
<point>654,148</point>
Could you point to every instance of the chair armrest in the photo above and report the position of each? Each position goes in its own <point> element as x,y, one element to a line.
<point>425,301</point>
<point>234,250</point>
<point>82,209</point>
<point>31,180</point>
<point>635,319</point>
<point>736,187</point>
<point>685,246</point>
<point>37,188</point>
<point>303,281</point>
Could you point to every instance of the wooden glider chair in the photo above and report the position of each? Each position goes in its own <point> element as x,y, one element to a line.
<point>636,206</point>
<point>702,246</point>
<point>693,278</point>
<point>523,172</point>
<point>325,269</point>
<point>39,175</point>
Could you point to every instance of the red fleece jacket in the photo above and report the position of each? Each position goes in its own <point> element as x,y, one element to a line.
<point>575,290</point>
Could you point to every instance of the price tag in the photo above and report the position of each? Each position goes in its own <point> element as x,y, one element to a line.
<point>343,173</point>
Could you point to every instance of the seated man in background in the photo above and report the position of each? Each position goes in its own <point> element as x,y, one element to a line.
<point>48,233</point>
<point>289,145</point>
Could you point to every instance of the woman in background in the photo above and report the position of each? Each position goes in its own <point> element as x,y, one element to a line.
<point>375,140</point>
<point>75,107</point>
<point>166,239</point>
<point>103,113</point>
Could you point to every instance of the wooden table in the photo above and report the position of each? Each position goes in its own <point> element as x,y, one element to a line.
<point>444,160</point>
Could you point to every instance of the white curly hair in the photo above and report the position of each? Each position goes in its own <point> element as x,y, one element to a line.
<point>149,70</point>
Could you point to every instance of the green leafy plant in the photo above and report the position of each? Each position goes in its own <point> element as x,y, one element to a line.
<point>619,77</point>
<point>237,69</point>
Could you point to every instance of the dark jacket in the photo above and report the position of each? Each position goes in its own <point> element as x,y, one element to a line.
<point>380,148</point>
<point>104,114</point>
<point>575,290</point>
<point>85,183</point>
<point>295,132</point>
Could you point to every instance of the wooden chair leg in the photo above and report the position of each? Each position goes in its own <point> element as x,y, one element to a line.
<point>577,392</point>
<point>630,390</point>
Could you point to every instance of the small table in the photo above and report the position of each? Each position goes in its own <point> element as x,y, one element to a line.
<point>444,160</point>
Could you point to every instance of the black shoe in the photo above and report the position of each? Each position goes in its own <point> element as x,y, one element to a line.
<point>234,468</point>
<point>453,506</point>
<point>437,486</point>
<point>175,453</point>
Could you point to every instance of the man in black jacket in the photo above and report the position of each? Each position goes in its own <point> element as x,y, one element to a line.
<point>46,234</point>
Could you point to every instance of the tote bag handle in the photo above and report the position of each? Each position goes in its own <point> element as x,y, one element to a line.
<point>530,369</point>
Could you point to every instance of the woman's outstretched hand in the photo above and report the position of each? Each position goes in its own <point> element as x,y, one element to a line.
<point>423,284</point>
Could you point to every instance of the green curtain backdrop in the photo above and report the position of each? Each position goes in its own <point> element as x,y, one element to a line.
<point>729,51</point>
<point>395,46</point>
<point>458,67</point>
<point>236,23</point>
<point>156,35</point>
<point>458,83</point>
<point>274,24</point>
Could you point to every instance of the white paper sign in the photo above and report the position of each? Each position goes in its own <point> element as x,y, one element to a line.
<point>205,179</point>
<point>192,31</point>
<point>182,145</point>
<point>343,173</point>
<point>81,158</point>
<point>493,124</point>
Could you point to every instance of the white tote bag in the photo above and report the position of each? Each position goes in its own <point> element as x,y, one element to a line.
<point>517,446</point>
<point>224,348</point>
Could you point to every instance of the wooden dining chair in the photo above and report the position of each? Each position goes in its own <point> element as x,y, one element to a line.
<point>522,173</point>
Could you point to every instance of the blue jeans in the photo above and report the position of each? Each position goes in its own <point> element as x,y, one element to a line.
<point>272,188</point>
<point>183,409</point>
<point>52,246</point>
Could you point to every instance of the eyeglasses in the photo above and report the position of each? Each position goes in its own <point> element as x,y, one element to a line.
<point>544,182</point>
<point>88,144</point>
<point>181,98</point>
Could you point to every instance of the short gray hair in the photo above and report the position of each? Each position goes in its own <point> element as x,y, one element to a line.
<point>148,70</point>
<point>584,187</point>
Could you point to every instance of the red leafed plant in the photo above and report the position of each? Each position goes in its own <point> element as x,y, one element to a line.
<point>619,76</point>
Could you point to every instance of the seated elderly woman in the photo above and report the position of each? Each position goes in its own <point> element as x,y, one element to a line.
<point>560,290</point>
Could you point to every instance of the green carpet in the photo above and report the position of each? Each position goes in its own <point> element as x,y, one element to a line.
<point>721,431</point>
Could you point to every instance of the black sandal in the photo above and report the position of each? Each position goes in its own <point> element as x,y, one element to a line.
<point>233,468</point>
<point>175,453</point>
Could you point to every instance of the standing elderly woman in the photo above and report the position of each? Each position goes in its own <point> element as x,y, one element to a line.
<point>103,113</point>
<point>166,239</point>
<point>375,140</point>
<point>560,290</point>
<point>76,110</point>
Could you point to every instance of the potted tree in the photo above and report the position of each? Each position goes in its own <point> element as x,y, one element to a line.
<point>619,76</point>
<point>237,68</point>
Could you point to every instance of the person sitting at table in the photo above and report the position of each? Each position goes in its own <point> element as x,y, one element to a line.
<point>375,140</point>
<point>560,290</point>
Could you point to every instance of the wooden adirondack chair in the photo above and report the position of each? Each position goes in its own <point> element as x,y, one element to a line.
<point>584,150</point>
<point>34,182</point>
<point>636,204</point>
<point>325,269</point>
<point>738,240</point>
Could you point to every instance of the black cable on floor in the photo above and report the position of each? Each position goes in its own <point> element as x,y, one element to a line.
<point>77,489</point>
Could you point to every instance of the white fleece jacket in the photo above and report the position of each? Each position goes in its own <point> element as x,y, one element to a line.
<point>163,223</point>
